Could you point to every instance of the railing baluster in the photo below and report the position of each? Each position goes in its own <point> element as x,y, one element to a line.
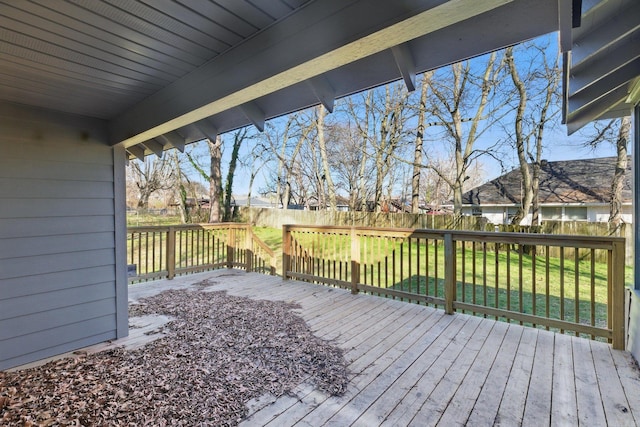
<point>576,274</point>
<point>562,285</point>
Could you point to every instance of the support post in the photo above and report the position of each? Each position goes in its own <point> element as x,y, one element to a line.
<point>449,273</point>
<point>231,246</point>
<point>355,261</point>
<point>617,296</point>
<point>635,126</point>
<point>286,250</point>
<point>248,251</point>
<point>171,253</point>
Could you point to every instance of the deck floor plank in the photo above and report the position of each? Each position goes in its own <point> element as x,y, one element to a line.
<point>414,364</point>
<point>466,396</point>
<point>437,402</point>
<point>537,412</point>
<point>564,409</point>
<point>485,410</point>
<point>588,398</point>
<point>512,406</point>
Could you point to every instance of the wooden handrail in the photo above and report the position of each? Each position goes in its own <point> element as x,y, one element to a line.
<point>164,251</point>
<point>382,261</point>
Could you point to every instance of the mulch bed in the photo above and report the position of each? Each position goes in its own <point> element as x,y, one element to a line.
<point>220,352</point>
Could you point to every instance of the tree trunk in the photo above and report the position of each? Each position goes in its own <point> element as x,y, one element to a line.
<point>228,189</point>
<point>417,152</point>
<point>331,189</point>
<point>615,206</point>
<point>526,193</point>
<point>215,177</point>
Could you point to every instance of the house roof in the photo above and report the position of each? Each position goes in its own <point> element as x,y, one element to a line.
<point>569,181</point>
<point>167,73</point>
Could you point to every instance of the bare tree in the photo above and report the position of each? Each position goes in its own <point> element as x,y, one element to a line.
<point>419,143</point>
<point>322,145</point>
<point>285,146</point>
<point>538,87</point>
<point>152,175</point>
<point>461,105</point>
<point>381,119</point>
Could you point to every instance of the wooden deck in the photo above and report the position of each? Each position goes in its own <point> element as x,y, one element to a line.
<point>415,365</point>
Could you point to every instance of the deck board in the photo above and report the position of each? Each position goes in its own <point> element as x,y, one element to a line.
<point>415,365</point>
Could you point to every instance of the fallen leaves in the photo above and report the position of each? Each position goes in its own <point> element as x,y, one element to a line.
<point>221,352</point>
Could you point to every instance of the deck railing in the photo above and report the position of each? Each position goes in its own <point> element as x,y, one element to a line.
<point>166,251</point>
<point>554,282</point>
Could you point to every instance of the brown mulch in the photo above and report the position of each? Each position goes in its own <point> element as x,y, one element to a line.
<point>221,351</point>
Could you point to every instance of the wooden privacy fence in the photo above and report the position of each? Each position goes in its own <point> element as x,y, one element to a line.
<point>165,251</point>
<point>548,281</point>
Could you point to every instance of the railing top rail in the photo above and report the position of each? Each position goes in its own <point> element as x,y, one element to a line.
<point>596,242</point>
<point>264,246</point>
<point>200,226</point>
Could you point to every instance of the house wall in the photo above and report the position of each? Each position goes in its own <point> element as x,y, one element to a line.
<point>61,214</point>
<point>601,214</point>
<point>498,215</point>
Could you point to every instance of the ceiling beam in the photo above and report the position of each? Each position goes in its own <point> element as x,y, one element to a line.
<point>323,90</point>
<point>254,114</point>
<point>612,81</point>
<point>174,139</point>
<point>155,147</point>
<point>267,63</point>
<point>208,129</point>
<point>596,109</point>
<point>406,65</point>
<point>137,151</point>
<point>565,23</point>
<point>623,25</point>
<point>605,64</point>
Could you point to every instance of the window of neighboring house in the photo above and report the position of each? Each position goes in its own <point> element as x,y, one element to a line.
<point>511,212</point>
<point>577,213</point>
<point>551,214</point>
<point>476,211</point>
<point>564,213</point>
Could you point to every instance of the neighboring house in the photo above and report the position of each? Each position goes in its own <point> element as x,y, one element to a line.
<point>571,190</point>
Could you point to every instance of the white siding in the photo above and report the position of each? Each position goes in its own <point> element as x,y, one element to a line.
<point>58,283</point>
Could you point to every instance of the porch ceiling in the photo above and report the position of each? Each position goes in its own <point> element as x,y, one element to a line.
<point>168,73</point>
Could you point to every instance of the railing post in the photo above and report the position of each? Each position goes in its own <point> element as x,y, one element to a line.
<point>248,248</point>
<point>231,246</point>
<point>449,273</point>
<point>286,250</point>
<point>617,295</point>
<point>171,253</point>
<point>355,261</point>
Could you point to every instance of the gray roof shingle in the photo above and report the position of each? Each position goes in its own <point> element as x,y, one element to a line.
<point>568,181</point>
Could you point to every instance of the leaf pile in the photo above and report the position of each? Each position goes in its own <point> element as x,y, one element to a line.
<point>221,352</point>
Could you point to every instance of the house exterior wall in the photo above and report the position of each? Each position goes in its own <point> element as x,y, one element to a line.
<point>499,215</point>
<point>60,190</point>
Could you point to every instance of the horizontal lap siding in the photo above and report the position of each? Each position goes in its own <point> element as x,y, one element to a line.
<point>57,244</point>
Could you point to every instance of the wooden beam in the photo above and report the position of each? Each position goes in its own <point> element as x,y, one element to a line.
<point>565,24</point>
<point>137,151</point>
<point>155,146</point>
<point>323,91</point>
<point>404,60</point>
<point>174,139</point>
<point>254,114</point>
<point>208,129</point>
